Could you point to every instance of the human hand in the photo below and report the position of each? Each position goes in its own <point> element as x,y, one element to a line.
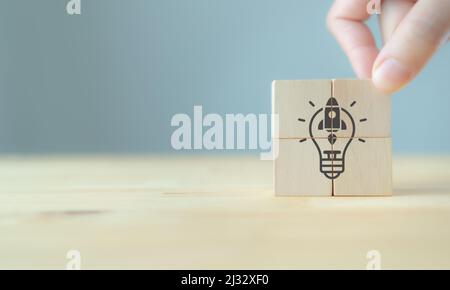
<point>412,31</point>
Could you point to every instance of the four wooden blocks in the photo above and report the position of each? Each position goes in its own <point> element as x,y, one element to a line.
<point>334,138</point>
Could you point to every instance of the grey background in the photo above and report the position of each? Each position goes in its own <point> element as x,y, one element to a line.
<point>111,79</point>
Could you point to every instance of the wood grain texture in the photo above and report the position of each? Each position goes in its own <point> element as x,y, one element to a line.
<point>156,212</point>
<point>368,167</point>
<point>297,169</point>
<point>299,99</point>
<point>371,110</point>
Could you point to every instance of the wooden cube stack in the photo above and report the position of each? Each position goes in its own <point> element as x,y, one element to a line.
<point>334,138</point>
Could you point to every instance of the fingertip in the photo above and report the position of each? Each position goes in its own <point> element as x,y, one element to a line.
<point>391,75</point>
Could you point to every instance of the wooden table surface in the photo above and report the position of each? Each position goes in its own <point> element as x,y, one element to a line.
<point>159,212</point>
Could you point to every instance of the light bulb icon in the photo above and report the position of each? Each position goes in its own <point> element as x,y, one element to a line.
<point>332,118</point>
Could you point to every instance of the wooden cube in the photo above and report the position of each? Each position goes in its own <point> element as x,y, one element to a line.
<point>295,102</point>
<point>365,168</point>
<point>334,138</point>
<point>299,169</point>
<point>359,101</point>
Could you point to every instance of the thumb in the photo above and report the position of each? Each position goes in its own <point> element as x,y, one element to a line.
<point>411,46</point>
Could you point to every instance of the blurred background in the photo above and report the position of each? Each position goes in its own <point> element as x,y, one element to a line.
<point>110,80</point>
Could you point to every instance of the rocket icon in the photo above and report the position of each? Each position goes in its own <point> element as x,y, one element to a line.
<point>332,121</point>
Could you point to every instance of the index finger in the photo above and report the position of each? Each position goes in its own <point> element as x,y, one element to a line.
<point>346,22</point>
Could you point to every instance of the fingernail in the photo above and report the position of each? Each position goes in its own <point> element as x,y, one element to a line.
<point>391,75</point>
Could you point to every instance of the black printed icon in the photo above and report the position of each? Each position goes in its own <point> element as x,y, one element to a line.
<point>332,119</point>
